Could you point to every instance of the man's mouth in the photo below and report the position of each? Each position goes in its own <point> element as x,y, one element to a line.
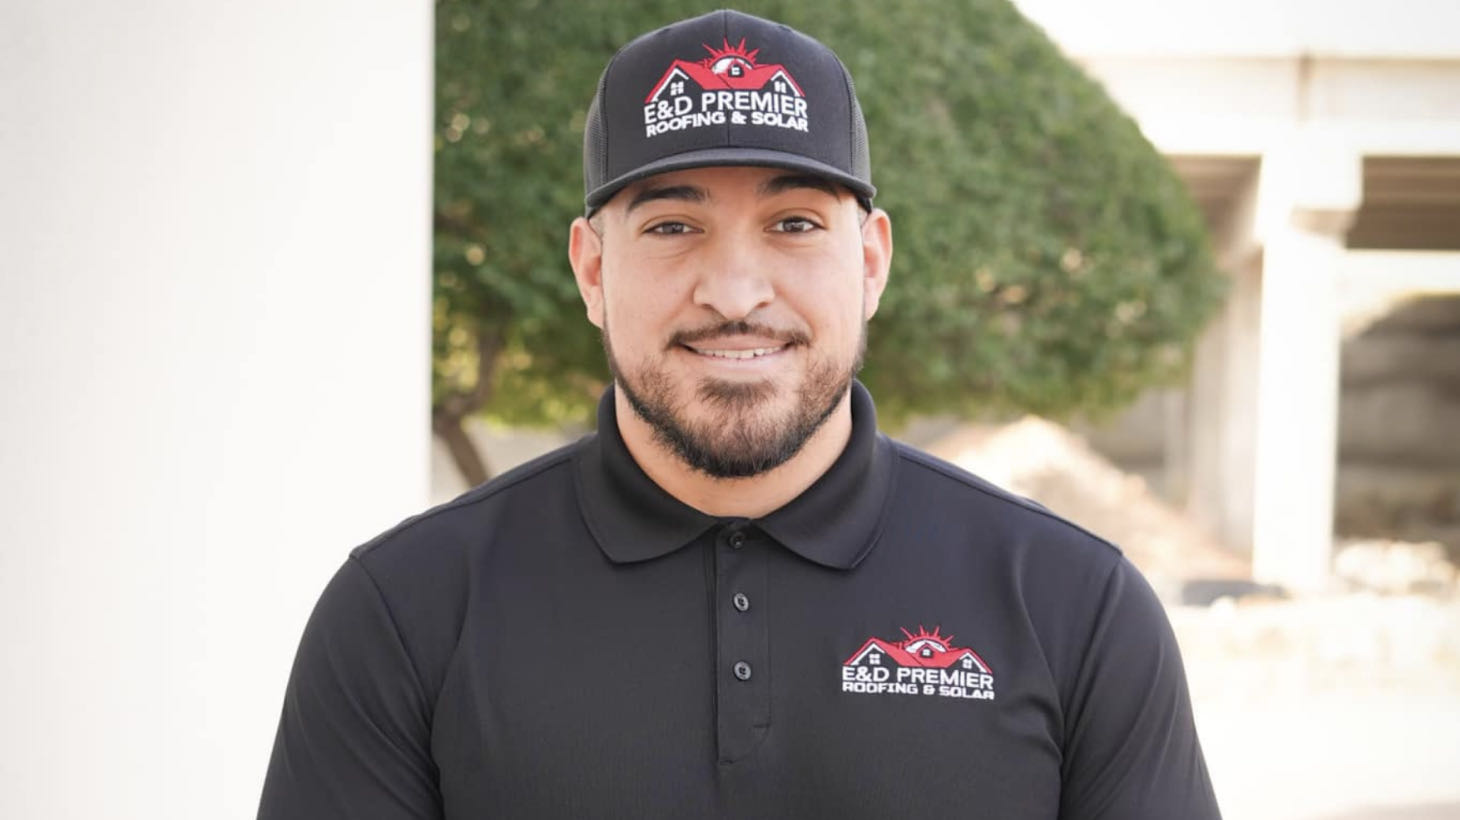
<point>746,353</point>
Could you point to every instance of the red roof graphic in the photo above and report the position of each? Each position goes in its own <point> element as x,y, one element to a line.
<point>923,649</point>
<point>731,67</point>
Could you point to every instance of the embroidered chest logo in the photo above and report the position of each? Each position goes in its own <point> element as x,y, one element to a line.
<point>728,87</point>
<point>926,664</point>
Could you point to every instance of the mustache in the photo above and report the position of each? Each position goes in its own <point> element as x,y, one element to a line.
<point>740,327</point>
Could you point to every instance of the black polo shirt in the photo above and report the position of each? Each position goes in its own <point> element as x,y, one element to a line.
<point>901,640</point>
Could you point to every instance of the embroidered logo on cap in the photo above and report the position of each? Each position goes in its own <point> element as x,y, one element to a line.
<point>925,664</point>
<point>728,87</point>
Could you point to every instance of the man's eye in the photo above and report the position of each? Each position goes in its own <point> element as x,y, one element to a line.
<point>668,228</point>
<point>796,224</point>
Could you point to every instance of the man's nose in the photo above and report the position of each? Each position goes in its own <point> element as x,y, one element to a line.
<point>733,282</point>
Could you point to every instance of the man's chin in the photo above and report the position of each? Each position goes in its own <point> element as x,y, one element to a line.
<point>741,397</point>
<point>730,446</point>
<point>732,428</point>
<point>738,430</point>
<point>726,426</point>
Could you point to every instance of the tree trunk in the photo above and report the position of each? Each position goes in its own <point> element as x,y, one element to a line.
<point>469,463</point>
<point>449,413</point>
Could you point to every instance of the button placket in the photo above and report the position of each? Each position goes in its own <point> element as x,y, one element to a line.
<point>743,673</point>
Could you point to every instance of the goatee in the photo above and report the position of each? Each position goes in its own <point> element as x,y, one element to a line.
<point>736,438</point>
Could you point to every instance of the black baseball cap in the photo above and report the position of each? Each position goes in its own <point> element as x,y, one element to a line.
<point>725,88</point>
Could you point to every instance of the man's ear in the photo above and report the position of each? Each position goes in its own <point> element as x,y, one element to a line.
<point>585,254</point>
<point>876,257</point>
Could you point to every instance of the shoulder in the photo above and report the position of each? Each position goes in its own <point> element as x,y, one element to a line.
<point>950,491</point>
<point>449,527</point>
<point>423,569</point>
<point>1060,576</point>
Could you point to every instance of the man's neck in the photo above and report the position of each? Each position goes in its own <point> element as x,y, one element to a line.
<point>751,497</point>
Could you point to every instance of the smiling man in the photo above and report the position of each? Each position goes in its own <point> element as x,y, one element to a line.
<point>739,298</point>
<point>737,599</point>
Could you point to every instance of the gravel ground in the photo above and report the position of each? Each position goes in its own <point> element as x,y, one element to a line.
<point>1342,707</point>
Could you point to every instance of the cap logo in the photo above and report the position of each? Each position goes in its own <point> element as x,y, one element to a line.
<point>728,87</point>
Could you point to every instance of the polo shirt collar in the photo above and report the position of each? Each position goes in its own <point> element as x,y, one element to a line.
<point>835,522</point>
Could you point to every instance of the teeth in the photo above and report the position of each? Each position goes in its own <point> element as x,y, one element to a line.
<point>739,354</point>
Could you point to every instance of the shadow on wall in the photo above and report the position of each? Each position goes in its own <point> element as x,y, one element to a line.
<point>1398,451</point>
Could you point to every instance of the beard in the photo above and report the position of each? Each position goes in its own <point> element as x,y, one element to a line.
<point>737,436</point>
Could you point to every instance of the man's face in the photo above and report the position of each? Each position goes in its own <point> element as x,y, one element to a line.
<point>733,304</point>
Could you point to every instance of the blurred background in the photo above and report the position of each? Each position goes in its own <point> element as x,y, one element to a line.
<point>273,277</point>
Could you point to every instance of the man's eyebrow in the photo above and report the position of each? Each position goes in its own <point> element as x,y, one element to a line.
<point>788,182</point>
<point>685,193</point>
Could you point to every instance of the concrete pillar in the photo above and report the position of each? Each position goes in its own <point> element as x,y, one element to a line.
<point>1222,408</point>
<point>214,349</point>
<point>1308,193</point>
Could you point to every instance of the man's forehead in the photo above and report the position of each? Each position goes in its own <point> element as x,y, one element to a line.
<point>701,184</point>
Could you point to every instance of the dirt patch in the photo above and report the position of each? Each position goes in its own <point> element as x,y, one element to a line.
<point>1048,463</point>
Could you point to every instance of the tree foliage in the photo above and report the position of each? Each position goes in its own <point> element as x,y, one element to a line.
<point>1047,258</point>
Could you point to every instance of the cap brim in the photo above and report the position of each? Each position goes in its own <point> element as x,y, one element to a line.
<point>714,157</point>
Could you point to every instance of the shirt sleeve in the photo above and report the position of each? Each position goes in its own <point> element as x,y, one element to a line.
<point>1131,750</point>
<point>354,738</point>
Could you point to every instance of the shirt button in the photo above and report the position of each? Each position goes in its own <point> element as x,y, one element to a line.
<point>742,670</point>
<point>742,602</point>
<point>737,540</point>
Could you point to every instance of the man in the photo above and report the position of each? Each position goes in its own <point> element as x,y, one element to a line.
<point>737,599</point>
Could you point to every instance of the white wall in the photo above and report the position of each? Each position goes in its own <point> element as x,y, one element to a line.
<point>1192,28</point>
<point>214,288</point>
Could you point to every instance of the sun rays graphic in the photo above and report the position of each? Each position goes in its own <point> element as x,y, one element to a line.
<point>732,60</point>
<point>924,641</point>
